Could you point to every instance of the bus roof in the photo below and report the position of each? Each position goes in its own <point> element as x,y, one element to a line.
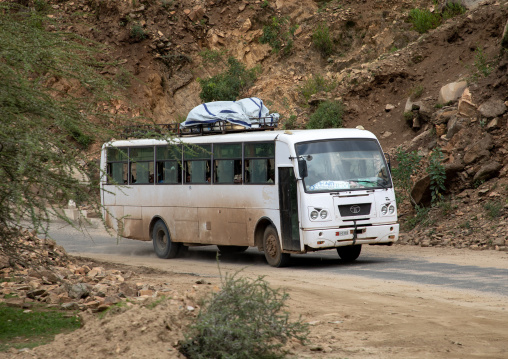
<point>288,136</point>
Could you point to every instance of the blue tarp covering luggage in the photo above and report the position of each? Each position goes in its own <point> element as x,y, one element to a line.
<point>248,112</point>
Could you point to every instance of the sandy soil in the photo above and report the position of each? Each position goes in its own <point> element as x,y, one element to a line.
<point>350,317</point>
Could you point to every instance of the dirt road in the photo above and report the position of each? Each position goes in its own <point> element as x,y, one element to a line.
<point>354,316</point>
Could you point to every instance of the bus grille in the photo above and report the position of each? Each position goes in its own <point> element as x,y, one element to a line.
<point>349,210</point>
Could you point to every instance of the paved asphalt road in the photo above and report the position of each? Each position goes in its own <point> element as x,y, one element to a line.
<point>371,264</point>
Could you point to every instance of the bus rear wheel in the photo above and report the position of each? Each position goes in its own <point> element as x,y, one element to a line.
<point>271,247</point>
<point>349,253</point>
<point>164,247</point>
<point>232,249</point>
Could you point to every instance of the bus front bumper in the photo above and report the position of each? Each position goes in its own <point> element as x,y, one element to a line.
<point>337,237</point>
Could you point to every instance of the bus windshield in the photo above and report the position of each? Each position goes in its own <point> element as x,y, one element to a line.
<point>337,165</point>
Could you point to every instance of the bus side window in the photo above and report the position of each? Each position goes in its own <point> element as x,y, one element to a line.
<point>197,163</point>
<point>168,167</point>
<point>117,165</point>
<point>259,162</point>
<point>227,163</point>
<point>142,169</point>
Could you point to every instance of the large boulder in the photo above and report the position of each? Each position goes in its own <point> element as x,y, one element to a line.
<point>487,171</point>
<point>479,149</point>
<point>451,92</point>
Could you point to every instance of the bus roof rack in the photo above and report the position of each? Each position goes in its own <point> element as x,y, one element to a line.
<point>218,127</point>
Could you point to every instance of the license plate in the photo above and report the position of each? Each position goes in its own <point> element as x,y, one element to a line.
<point>341,233</point>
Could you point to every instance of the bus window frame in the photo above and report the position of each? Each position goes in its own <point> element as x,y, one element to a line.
<point>250,158</point>
<point>207,161</point>
<point>179,163</point>
<point>214,159</point>
<point>125,171</point>
<point>130,162</point>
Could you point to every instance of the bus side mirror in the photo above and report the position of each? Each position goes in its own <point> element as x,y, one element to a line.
<point>302,168</point>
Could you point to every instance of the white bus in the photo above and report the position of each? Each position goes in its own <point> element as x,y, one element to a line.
<point>280,191</point>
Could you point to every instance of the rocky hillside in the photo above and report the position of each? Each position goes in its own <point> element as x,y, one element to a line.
<point>445,89</point>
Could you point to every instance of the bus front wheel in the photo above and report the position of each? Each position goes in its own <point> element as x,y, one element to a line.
<point>271,247</point>
<point>164,247</point>
<point>349,253</point>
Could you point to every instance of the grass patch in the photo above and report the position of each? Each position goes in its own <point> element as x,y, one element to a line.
<point>494,209</point>
<point>315,84</point>
<point>20,329</point>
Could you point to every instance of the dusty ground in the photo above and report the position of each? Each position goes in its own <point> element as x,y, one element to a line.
<point>349,318</point>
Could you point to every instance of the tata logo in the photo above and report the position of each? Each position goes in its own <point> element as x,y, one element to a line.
<point>355,209</point>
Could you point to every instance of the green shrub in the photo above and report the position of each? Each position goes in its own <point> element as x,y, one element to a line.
<point>227,86</point>
<point>437,175</point>
<point>315,84</point>
<point>452,9</point>
<point>424,20</point>
<point>137,33</point>
<point>408,165</point>
<point>41,5</point>
<point>481,62</point>
<point>245,319</point>
<point>327,115</point>
<point>279,35</point>
<point>322,40</point>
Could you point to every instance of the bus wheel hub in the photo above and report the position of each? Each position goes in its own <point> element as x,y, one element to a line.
<point>271,246</point>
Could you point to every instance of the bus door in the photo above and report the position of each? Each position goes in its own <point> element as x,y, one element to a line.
<point>288,204</point>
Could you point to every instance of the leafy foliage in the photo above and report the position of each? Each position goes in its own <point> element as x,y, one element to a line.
<point>437,175</point>
<point>228,85</point>
<point>279,35</point>
<point>322,40</point>
<point>245,319</point>
<point>327,115</point>
<point>50,89</point>
<point>408,165</point>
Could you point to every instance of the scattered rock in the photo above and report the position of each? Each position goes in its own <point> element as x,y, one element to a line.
<point>492,108</point>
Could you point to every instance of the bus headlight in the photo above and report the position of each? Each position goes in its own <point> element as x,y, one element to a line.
<point>391,209</point>
<point>323,214</point>
<point>314,215</point>
<point>384,210</point>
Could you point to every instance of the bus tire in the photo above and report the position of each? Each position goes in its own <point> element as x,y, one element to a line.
<point>349,253</point>
<point>271,247</point>
<point>164,247</point>
<point>232,249</point>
